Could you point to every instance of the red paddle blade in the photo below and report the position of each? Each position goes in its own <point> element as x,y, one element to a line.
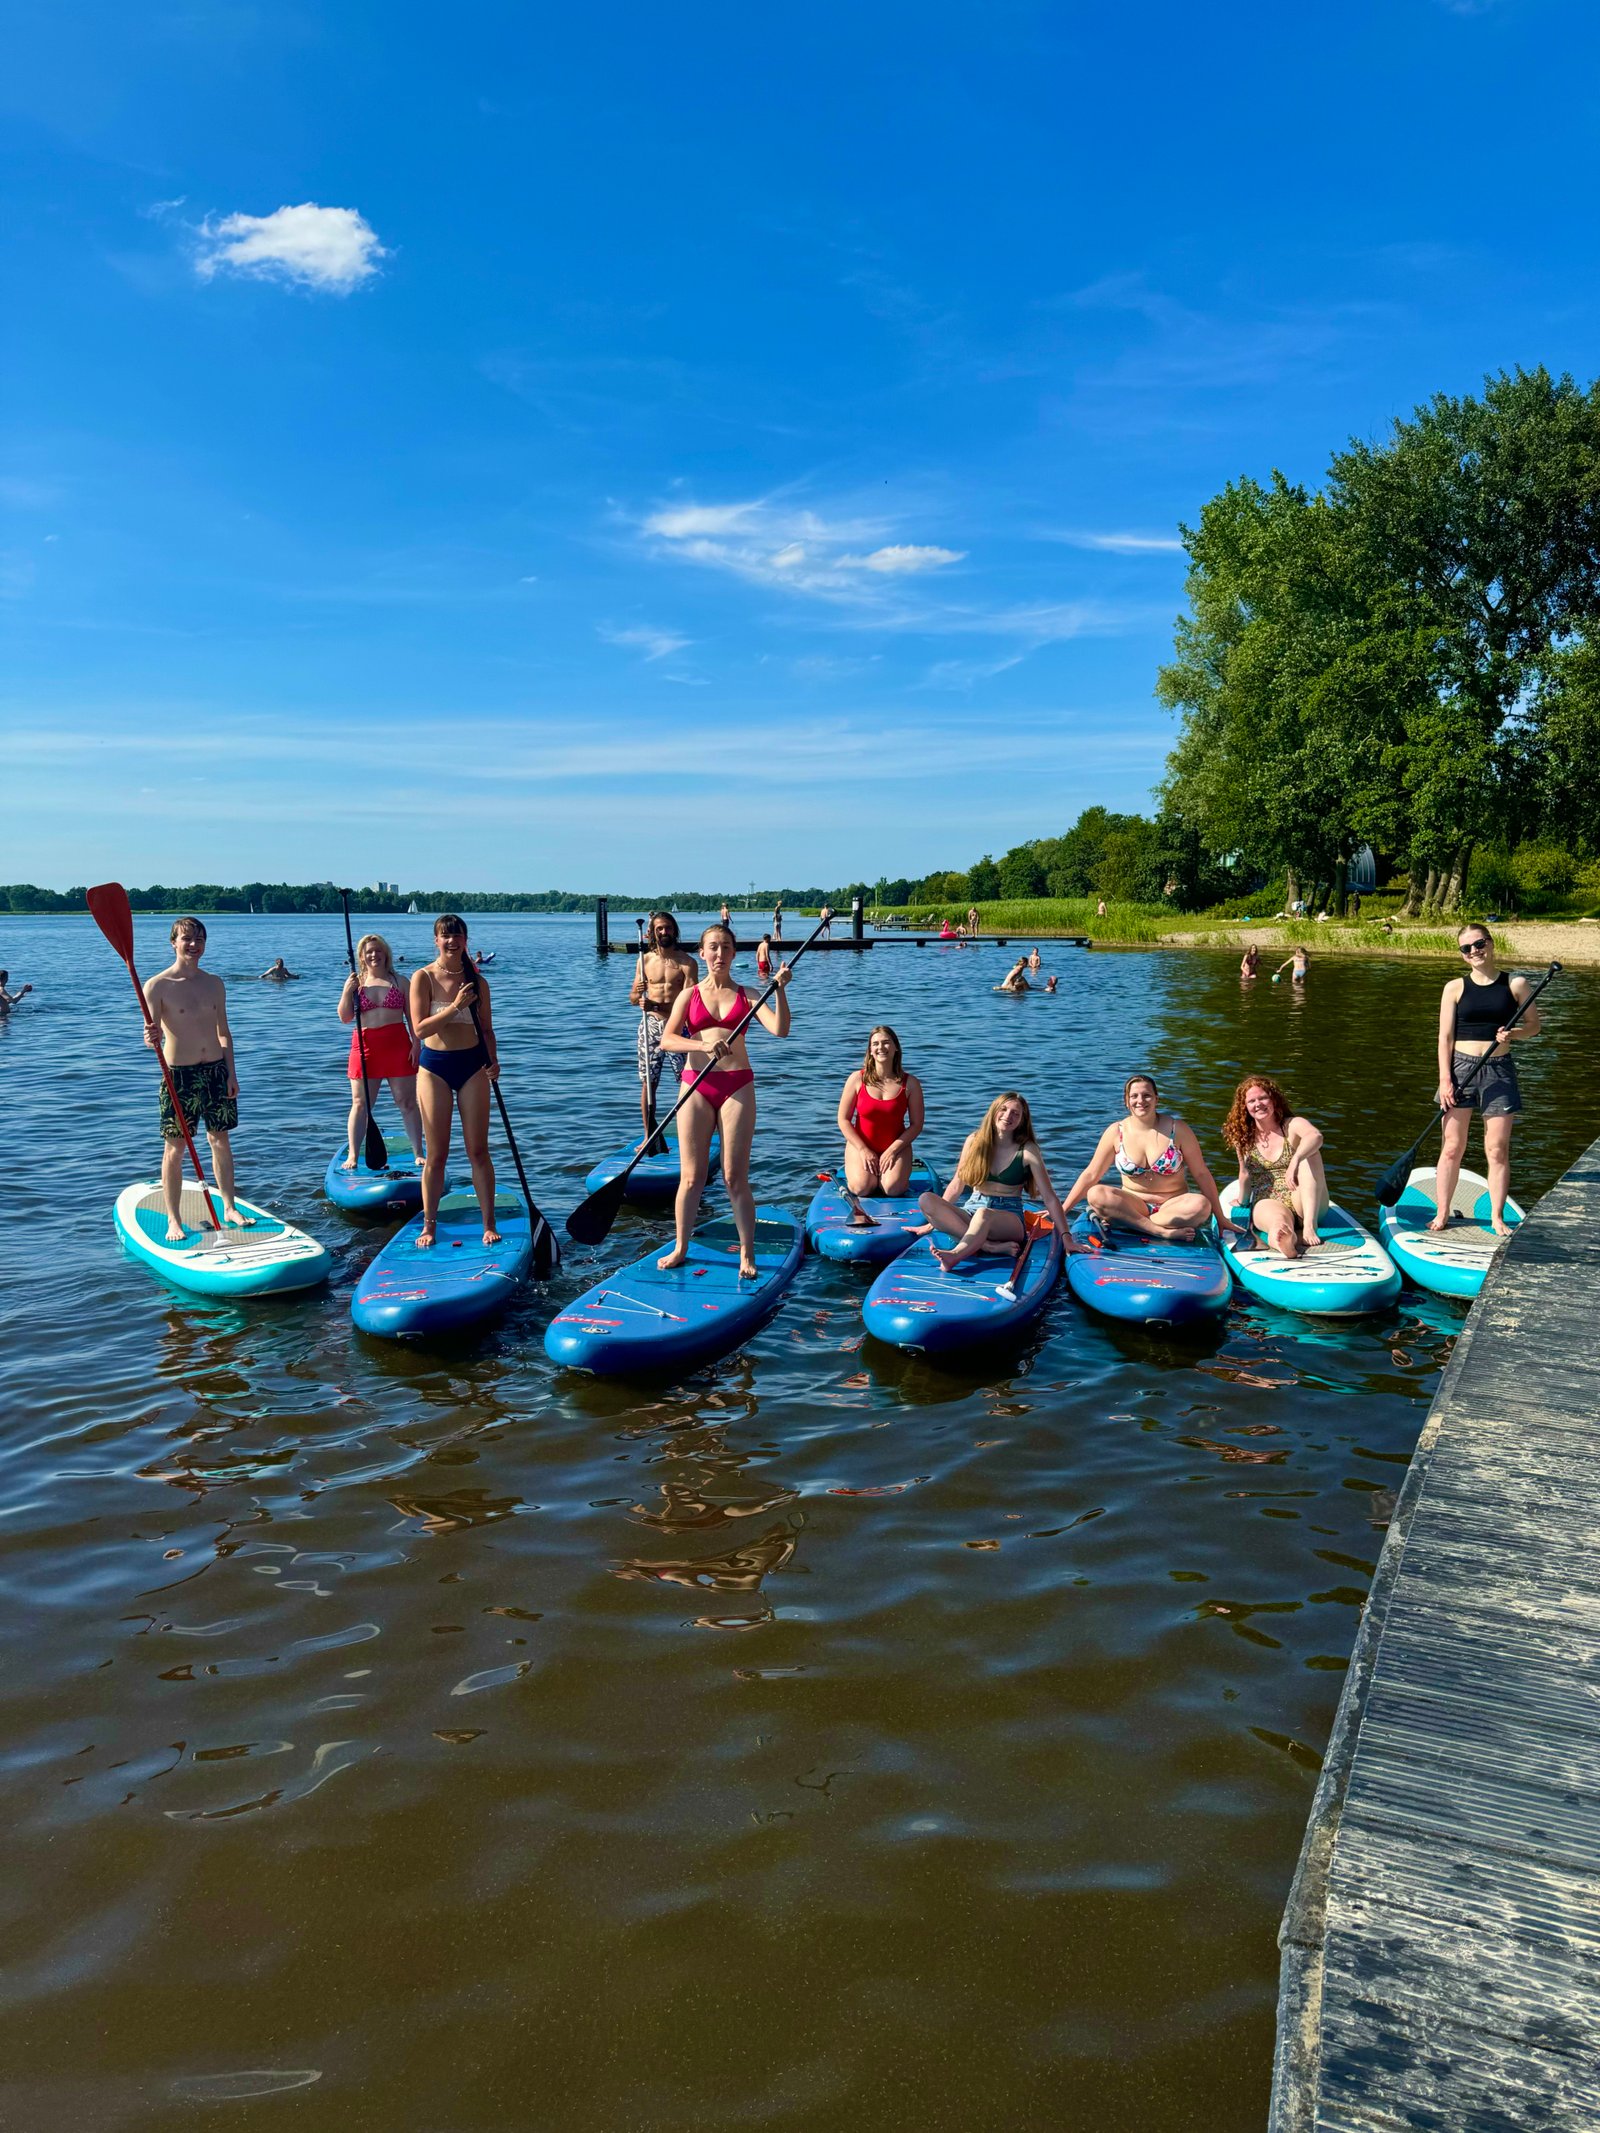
<point>113,914</point>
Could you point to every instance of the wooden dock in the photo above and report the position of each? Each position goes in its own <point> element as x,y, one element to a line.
<point>1441,1944</point>
<point>844,943</point>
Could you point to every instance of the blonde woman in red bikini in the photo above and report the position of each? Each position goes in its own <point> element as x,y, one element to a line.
<point>722,1089</point>
<point>390,1047</point>
<point>880,1115</point>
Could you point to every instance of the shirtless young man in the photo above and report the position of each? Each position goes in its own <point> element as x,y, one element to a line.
<point>662,971</point>
<point>192,1014</point>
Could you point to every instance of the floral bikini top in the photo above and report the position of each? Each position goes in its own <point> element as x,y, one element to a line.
<point>1164,1165</point>
<point>393,998</point>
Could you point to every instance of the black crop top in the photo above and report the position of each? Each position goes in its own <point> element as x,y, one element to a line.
<point>1482,1009</point>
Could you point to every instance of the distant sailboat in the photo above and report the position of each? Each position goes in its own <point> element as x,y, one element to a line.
<point>411,907</point>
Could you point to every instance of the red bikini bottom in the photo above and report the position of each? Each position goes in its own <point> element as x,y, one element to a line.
<point>716,1085</point>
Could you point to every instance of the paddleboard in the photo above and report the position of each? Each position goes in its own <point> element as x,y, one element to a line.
<point>1348,1273</point>
<point>1148,1283</point>
<point>649,1321</point>
<point>408,1293</point>
<point>364,1191</point>
<point>269,1257</point>
<point>654,1179</point>
<point>915,1304</point>
<point>831,1230</point>
<point>1451,1262</point>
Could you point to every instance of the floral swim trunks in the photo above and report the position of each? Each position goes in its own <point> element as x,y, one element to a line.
<point>203,1093</point>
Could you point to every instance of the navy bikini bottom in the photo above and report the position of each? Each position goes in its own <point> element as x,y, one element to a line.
<point>454,1069</point>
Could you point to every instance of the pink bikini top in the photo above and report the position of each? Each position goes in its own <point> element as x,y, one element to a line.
<point>394,997</point>
<point>700,1016</point>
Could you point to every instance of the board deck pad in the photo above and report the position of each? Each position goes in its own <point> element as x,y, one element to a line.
<point>397,1185</point>
<point>271,1255</point>
<point>915,1303</point>
<point>1451,1262</point>
<point>1347,1274</point>
<point>832,1231</point>
<point>650,1320</point>
<point>408,1293</point>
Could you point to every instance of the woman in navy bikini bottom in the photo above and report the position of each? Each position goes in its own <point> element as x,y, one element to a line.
<point>455,1066</point>
<point>721,1089</point>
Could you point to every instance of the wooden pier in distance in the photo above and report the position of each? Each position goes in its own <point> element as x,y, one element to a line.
<point>1441,1943</point>
<point>882,940</point>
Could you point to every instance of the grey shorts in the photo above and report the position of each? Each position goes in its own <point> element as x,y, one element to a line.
<point>651,1057</point>
<point>1487,1086</point>
<point>1003,1203</point>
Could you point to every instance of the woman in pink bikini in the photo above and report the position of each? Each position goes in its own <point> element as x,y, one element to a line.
<point>1156,1156</point>
<point>880,1116</point>
<point>386,1036</point>
<point>722,1089</point>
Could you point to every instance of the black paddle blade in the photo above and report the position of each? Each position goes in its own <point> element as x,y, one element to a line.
<point>590,1221</point>
<point>1393,1182</point>
<point>377,1146</point>
<point>546,1250</point>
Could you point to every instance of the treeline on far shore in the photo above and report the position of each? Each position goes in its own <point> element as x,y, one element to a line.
<point>278,896</point>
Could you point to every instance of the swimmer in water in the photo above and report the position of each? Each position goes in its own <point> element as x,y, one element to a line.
<point>279,973</point>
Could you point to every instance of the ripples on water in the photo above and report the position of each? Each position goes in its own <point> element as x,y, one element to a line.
<point>404,1739</point>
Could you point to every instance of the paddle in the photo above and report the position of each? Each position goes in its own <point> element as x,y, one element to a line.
<point>377,1147</point>
<point>1393,1182</point>
<point>113,914</point>
<point>546,1250</point>
<point>590,1221</point>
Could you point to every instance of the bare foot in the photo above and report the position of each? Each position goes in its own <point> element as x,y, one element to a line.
<point>1179,1233</point>
<point>175,1231</point>
<point>748,1269</point>
<point>491,1236</point>
<point>1312,1240</point>
<point>232,1216</point>
<point>675,1257</point>
<point>1502,1229</point>
<point>425,1237</point>
<point>949,1255</point>
<point>349,1163</point>
<point>1439,1222</point>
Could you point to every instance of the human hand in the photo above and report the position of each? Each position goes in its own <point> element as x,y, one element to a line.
<point>233,1086</point>
<point>150,1035</point>
<point>872,1160</point>
<point>1447,1096</point>
<point>1503,1036</point>
<point>781,975</point>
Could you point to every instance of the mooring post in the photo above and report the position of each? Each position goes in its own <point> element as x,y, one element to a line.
<point>855,918</point>
<point>602,928</point>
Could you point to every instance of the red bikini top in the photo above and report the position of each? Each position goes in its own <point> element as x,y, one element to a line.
<point>700,1016</point>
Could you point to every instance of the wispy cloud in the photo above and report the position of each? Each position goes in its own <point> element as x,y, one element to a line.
<point>332,248</point>
<point>1122,543</point>
<point>768,541</point>
<point>903,560</point>
<point>640,637</point>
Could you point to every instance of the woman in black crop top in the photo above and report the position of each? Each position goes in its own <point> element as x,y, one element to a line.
<point>1476,1071</point>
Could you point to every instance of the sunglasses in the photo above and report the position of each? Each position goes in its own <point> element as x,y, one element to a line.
<point>1475,947</point>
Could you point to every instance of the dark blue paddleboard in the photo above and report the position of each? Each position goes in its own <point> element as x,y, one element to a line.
<point>646,1321</point>
<point>831,1230</point>
<point>654,1178</point>
<point>914,1303</point>
<point>407,1293</point>
<point>1142,1281</point>
<point>398,1185</point>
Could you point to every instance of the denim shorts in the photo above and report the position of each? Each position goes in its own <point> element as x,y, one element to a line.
<point>1487,1086</point>
<point>1002,1203</point>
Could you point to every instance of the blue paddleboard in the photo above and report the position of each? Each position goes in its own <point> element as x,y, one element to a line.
<point>646,1321</point>
<point>1148,1283</point>
<point>364,1191</point>
<point>654,1177</point>
<point>915,1304</point>
<point>268,1257</point>
<point>1348,1273</point>
<point>407,1293</point>
<point>830,1224</point>
<point>1450,1262</point>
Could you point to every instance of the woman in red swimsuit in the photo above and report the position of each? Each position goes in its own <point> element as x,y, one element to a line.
<point>722,1089</point>
<point>386,1034</point>
<point>880,1115</point>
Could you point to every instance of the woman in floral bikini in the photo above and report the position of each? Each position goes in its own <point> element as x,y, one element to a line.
<point>1155,1158</point>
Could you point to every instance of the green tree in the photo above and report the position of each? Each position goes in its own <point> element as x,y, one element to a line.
<point>982,883</point>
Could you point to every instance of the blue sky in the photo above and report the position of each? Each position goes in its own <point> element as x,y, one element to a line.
<point>528,447</point>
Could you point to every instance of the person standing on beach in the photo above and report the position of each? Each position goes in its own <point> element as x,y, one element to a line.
<point>189,1008</point>
<point>662,971</point>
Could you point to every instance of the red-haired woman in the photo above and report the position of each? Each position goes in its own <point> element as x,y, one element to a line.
<point>1000,1165</point>
<point>1281,1179</point>
<point>880,1116</point>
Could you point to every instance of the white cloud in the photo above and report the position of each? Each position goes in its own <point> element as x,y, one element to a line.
<point>1124,543</point>
<point>653,643</point>
<point>319,247</point>
<point>903,560</point>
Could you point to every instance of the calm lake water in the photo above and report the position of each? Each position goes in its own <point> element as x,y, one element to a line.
<point>423,1740</point>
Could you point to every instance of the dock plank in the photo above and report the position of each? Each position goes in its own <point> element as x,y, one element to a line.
<point>1441,1948</point>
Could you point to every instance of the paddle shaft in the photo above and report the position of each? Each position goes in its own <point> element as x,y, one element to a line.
<point>1403,1161</point>
<point>380,1161</point>
<point>124,948</point>
<point>546,1251</point>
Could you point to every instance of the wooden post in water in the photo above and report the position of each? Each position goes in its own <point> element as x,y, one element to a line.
<point>602,927</point>
<point>855,918</point>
